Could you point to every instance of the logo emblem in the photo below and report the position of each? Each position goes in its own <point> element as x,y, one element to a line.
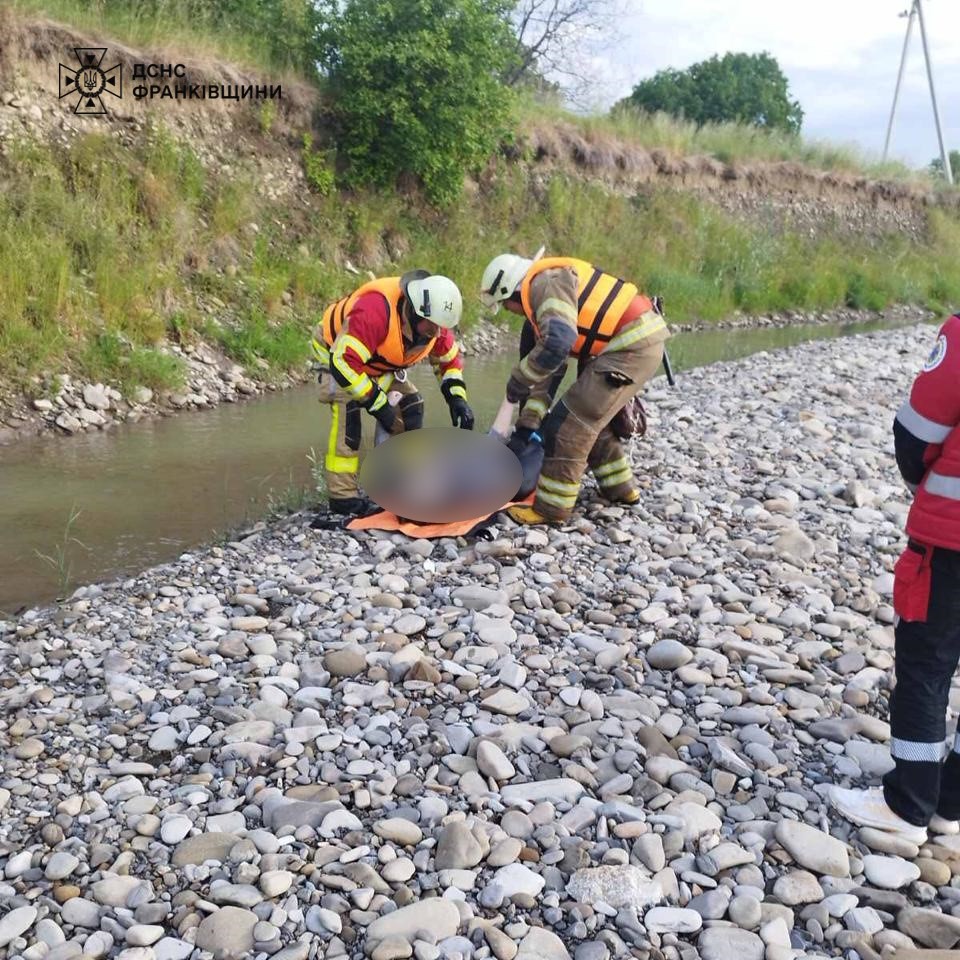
<point>90,80</point>
<point>937,354</point>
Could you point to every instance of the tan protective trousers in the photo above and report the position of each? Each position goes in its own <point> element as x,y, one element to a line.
<point>341,463</point>
<point>577,433</point>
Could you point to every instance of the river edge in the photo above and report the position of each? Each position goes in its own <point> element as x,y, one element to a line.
<point>71,407</point>
<point>641,699</point>
<point>654,398</point>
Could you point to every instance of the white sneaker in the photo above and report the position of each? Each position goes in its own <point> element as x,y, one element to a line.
<point>869,809</point>
<point>944,828</point>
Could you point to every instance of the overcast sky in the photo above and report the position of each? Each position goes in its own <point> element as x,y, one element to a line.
<point>840,58</point>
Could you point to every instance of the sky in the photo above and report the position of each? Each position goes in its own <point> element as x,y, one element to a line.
<point>840,58</point>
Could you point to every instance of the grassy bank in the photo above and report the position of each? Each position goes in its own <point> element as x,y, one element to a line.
<point>106,252</point>
<point>194,30</point>
<point>726,142</point>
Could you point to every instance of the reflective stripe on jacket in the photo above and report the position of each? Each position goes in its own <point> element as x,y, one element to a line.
<point>603,301</point>
<point>388,355</point>
<point>931,417</point>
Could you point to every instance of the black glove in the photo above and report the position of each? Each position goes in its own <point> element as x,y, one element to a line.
<point>460,413</point>
<point>517,391</point>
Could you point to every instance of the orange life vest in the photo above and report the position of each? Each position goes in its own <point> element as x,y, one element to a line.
<point>602,301</point>
<point>390,354</point>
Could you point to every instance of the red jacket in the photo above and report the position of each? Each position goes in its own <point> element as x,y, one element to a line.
<point>927,442</point>
<point>367,324</point>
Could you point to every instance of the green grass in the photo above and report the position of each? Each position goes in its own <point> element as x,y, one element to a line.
<point>194,31</point>
<point>108,252</point>
<point>727,142</point>
<point>60,560</point>
<point>164,24</point>
<point>107,356</point>
<point>256,341</point>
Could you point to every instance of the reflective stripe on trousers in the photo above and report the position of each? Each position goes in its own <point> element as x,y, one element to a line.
<point>614,473</point>
<point>333,462</point>
<point>556,492</point>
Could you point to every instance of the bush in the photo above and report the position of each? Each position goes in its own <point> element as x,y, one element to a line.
<point>315,168</point>
<point>415,87</point>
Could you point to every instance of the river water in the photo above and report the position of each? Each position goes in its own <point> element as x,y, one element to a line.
<point>144,493</point>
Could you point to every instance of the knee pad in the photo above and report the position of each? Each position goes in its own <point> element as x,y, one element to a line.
<point>352,425</point>
<point>411,409</point>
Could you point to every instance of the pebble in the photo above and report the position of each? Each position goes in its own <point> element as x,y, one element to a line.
<point>813,849</point>
<point>618,886</point>
<point>672,920</point>
<point>174,829</point>
<point>541,944</point>
<point>797,887</point>
<point>440,917</point>
<point>668,655</point>
<point>493,762</point>
<point>398,830</point>
<point>890,873</point>
<point>554,743</point>
<point>515,879</point>
<point>201,847</point>
<point>745,912</point>
<point>60,866</point>
<point>730,944</point>
<point>15,923</point>
<point>227,933</point>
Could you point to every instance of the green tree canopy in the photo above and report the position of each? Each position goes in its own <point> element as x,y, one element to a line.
<point>936,165</point>
<point>738,87</point>
<point>415,87</point>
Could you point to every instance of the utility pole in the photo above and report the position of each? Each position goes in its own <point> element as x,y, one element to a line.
<point>944,155</point>
<point>909,14</point>
<point>916,10</point>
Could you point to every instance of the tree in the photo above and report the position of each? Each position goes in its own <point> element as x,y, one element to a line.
<point>936,165</point>
<point>738,87</point>
<point>548,35</point>
<point>415,87</point>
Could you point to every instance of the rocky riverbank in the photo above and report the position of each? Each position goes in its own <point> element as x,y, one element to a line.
<point>608,740</point>
<point>64,406</point>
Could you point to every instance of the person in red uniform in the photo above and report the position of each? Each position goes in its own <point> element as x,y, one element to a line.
<point>923,789</point>
<point>365,345</point>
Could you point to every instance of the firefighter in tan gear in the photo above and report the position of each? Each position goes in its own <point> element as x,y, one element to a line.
<point>365,344</point>
<point>574,309</point>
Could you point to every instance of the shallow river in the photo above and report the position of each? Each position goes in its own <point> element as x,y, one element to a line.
<point>145,493</point>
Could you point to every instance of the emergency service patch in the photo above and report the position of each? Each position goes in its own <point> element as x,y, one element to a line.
<point>937,354</point>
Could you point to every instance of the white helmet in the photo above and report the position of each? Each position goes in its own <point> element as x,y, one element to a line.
<point>503,276</point>
<point>437,299</point>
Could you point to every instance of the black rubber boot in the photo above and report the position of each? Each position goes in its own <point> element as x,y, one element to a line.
<point>340,511</point>
<point>352,506</point>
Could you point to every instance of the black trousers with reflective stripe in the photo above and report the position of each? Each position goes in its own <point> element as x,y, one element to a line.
<point>926,656</point>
